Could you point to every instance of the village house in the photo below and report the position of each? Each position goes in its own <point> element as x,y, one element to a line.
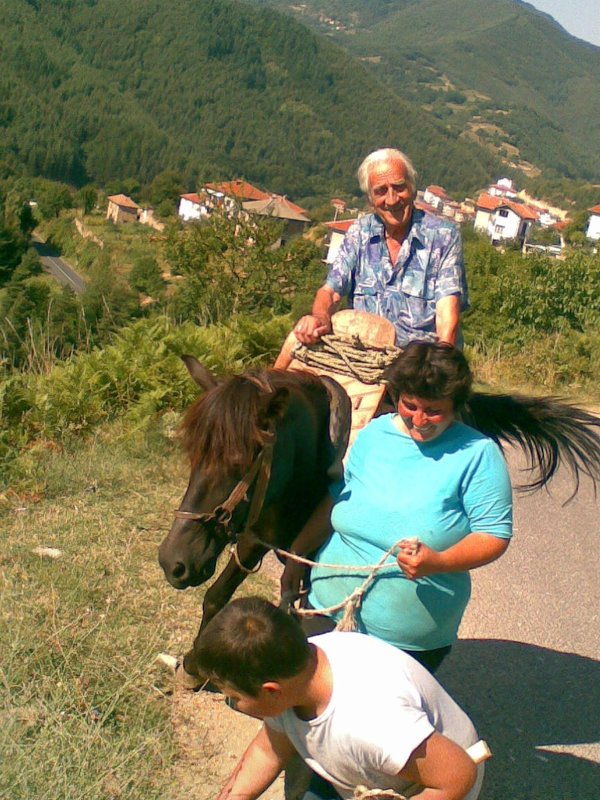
<point>336,232</point>
<point>504,187</point>
<point>231,195</point>
<point>280,208</point>
<point>227,195</point>
<point>192,207</point>
<point>436,197</point>
<point>593,227</point>
<point>503,220</point>
<point>122,209</point>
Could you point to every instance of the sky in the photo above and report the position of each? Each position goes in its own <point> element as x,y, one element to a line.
<point>579,17</point>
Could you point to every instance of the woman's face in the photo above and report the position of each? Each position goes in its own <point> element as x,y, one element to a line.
<point>424,420</point>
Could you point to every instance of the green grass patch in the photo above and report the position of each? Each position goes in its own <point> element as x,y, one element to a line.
<point>84,708</point>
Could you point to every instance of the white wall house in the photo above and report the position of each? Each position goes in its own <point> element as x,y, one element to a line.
<point>593,227</point>
<point>502,219</point>
<point>337,231</point>
<point>191,206</point>
<point>436,196</point>
<point>503,188</point>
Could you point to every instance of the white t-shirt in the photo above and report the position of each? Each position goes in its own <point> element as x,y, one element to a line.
<point>383,705</point>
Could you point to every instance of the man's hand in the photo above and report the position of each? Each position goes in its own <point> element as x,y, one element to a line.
<point>310,328</point>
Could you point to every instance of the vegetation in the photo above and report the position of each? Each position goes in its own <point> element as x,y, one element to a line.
<point>85,707</point>
<point>534,321</point>
<point>476,63</point>
<point>101,91</point>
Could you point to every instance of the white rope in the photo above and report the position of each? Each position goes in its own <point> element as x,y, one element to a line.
<point>350,604</point>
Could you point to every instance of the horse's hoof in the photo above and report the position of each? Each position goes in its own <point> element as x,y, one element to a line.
<point>186,681</point>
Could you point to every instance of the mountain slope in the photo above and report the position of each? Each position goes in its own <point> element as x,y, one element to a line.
<point>108,89</point>
<point>496,70</point>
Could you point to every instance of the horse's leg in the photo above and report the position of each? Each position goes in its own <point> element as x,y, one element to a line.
<point>223,588</point>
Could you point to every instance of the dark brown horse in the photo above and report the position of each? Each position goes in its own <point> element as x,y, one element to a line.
<point>264,446</point>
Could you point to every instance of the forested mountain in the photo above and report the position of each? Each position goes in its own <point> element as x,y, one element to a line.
<point>495,71</point>
<point>94,90</point>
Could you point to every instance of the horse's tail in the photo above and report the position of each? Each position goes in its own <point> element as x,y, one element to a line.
<point>551,432</point>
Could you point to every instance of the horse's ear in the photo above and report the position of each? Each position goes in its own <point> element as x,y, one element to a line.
<point>273,407</point>
<point>200,375</point>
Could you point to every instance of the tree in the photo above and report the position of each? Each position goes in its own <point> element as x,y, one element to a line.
<point>146,276</point>
<point>86,198</point>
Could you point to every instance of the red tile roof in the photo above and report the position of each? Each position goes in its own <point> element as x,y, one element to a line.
<point>521,210</point>
<point>595,210</point>
<point>242,190</point>
<point>438,191</point>
<point>489,203</point>
<point>340,225</point>
<point>298,209</point>
<point>192,197</point>
<point>123,201</point>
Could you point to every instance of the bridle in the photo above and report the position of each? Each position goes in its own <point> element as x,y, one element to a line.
<point>260,474</point>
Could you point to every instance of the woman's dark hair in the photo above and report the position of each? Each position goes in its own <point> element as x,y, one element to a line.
<point>249,642</point>
<point>432,370</point>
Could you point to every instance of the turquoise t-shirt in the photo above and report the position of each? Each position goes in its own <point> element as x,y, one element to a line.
<point>395,488</point>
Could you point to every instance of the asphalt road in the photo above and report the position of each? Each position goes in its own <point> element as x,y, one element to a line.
<point>58,267</point>
<point>526,667</point>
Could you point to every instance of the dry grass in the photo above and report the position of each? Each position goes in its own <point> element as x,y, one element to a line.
<point>85,710</point>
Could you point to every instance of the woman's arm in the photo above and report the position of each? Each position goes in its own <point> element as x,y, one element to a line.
<point>311,537</point>
<point>475,550</point>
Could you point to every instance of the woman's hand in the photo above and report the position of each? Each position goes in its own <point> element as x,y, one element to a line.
<point>416,560</point>
<point>291,580</point>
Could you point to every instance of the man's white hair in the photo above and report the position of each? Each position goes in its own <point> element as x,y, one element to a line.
<point>389,155</point>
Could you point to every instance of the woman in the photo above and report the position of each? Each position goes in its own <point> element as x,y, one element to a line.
<point>418,473</point>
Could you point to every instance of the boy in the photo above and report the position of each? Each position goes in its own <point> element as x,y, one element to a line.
<point>357,710</point>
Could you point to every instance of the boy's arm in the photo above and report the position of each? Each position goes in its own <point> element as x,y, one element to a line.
<point>443,767</point>
<point>265,757</point>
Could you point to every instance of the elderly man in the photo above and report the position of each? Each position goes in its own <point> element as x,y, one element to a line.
<point>398,262</point>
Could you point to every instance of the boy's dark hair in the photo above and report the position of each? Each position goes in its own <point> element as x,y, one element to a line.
<point>249,642</point>
<point>431,370</point>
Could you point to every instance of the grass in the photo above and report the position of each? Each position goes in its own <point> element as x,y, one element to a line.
<point>123,244</point>
<point>84,708</point>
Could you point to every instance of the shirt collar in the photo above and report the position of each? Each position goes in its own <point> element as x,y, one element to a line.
<point>414,232</point>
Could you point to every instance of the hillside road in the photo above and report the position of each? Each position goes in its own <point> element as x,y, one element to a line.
<point>526,666</point>
<point>57,266</point>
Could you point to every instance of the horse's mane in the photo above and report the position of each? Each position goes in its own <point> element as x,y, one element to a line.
<point>224,427</point>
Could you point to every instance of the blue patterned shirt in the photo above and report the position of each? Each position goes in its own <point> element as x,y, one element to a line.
<point>429,266</point>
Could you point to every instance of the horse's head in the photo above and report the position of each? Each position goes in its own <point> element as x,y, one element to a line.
<point>226,434</point>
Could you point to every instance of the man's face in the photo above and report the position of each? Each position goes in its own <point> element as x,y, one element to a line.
<point>391,194</point>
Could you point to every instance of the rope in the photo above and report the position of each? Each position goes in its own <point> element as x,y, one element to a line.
<point>362,793</point>
<point>350,604</point>
<point>348,355</point>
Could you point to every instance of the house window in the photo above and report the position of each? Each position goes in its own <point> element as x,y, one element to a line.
<point>503,212</point>
<point>499,229</point>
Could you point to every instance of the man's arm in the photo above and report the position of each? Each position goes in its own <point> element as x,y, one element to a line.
<point>266,756</point>
<point>442,767</point>
<point>311,327</point>
<point>447,318</point>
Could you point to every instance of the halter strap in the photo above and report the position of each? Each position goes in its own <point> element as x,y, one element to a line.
<point>260,471</point>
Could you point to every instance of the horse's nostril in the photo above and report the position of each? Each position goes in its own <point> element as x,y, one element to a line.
<point>179,570</point>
